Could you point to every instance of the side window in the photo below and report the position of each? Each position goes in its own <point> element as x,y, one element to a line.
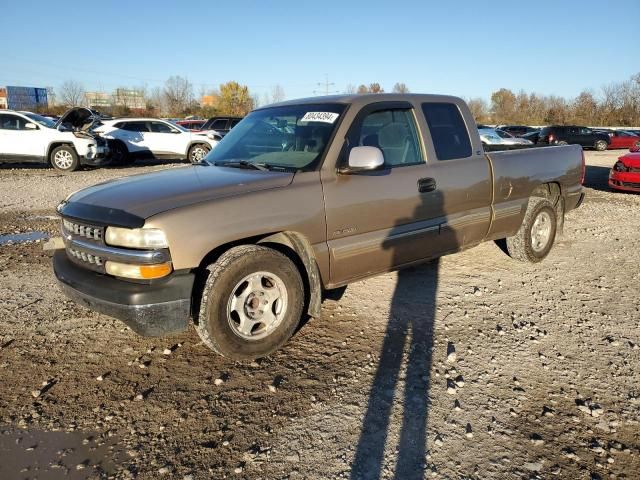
<point>234,122</point>
<point>395,133</point>
<point>12,122</point>
<point>220,124</point>
<point>159,127</point>
<point>135,127</point>
<point>448,131</point>
<point>585,131</point>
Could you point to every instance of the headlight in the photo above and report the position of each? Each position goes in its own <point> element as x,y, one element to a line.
<point>136,237</point>
<point>619,167</point>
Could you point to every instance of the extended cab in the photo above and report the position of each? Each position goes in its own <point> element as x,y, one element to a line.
<point>66,144</point>
<point>301,197</point>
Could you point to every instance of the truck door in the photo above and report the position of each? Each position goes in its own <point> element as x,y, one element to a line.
<point>462,176</point>
<point>382,219</point>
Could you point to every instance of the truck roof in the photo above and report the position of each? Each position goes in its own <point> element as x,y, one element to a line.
<point>365,99</point>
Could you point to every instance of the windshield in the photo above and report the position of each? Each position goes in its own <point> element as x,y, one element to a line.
<point>44,121</point>
<point>292,137</point>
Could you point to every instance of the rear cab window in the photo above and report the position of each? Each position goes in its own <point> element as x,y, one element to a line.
<point>448,130</point>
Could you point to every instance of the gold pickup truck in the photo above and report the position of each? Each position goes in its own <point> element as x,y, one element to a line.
<point>302,197</point>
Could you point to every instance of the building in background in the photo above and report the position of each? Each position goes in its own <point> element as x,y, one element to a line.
<point>23,98</point>
<point>132,99</point>
<point>98,100</point>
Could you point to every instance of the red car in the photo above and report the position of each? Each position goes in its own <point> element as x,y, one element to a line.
<point>191,124</point>
<point>622,139</point>
<point>635,148</point>
<point>625,174</point>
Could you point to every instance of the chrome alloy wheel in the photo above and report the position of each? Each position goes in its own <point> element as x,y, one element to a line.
<point>257,305</point>
<point>63,159</point>
<point>198,153</point>
<point>541,231</point>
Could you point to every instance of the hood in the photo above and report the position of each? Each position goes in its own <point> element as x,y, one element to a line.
<point>148,194</point>
<point>78,119</point>
<point>631,160</point>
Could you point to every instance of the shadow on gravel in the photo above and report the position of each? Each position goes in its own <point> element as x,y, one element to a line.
<point>410,324</point>
<point>597,178</point>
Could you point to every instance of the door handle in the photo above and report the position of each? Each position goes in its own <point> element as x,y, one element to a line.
<point>426,185</point>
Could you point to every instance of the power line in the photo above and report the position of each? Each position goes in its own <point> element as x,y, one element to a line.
<point>325,86</point>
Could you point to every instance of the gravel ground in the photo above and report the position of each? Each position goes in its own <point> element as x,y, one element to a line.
<point>474,366</point>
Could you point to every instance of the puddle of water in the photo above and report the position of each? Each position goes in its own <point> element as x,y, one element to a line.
<point>52,455</point>
<point>22,237</point>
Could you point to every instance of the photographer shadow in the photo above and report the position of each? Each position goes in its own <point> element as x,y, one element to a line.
<point>404,368</point>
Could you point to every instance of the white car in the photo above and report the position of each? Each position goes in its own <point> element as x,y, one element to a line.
<point>132,138</point>
<point>66,144</point>
<point>492,136</point>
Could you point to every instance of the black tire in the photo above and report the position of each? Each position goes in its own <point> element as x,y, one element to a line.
<point>197,152</point>
<point>120,154</point>
<point>64,158</point>
<point>520,246</point>
<point>219,330</point>
<point>600,145</point>
<point>562,142</point>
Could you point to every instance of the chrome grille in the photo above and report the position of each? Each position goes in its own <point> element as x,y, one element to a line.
<point>85,257</point>
<point>86,231</point>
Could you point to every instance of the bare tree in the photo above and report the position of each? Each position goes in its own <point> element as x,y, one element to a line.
<point>350,89</point>
<point>479,109</point>
<point>277,94</point>
<point>178,94</point>
<point>51,96</point>
<point>72,93</point>
<point>400,88</point>
<point>362,89</point>
<point>375,88</point>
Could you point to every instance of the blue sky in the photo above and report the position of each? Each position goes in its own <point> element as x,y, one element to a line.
<point>465,48</point>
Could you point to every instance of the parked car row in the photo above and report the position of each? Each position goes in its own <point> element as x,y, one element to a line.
<point>83,137</point>
<point>596,138</point>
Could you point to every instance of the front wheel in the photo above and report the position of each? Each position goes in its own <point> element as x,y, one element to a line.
<point>251,303</point>
<point>533,241</point>
<point>64,158</point>
<point>601,145</point>
<point>198,152</point>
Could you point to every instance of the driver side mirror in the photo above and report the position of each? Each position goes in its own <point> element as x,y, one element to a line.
<point>364,159</point>
<point>30,126</point>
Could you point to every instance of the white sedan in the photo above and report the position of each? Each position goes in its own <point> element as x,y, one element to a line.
<point>132,138</point>
<point>492,136</point>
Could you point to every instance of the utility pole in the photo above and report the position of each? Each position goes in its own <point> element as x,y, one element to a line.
<point>325,86</point>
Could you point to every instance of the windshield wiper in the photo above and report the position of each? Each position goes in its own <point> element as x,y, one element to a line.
<point>242,164</point>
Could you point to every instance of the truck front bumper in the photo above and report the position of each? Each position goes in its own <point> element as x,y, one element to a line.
<point>153,310</point>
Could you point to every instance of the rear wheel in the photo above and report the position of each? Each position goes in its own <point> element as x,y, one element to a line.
<point>533,241</point>
<point>562,142</point>
<point>600,145</point>
<point>198,152</point>
<point>251,303</point>
<point>64,158</point>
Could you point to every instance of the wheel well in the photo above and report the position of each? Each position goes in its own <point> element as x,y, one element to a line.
<point>552,192</point>
<point>54,145</point>
<point>113,141</point>
<point>290,244</point>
